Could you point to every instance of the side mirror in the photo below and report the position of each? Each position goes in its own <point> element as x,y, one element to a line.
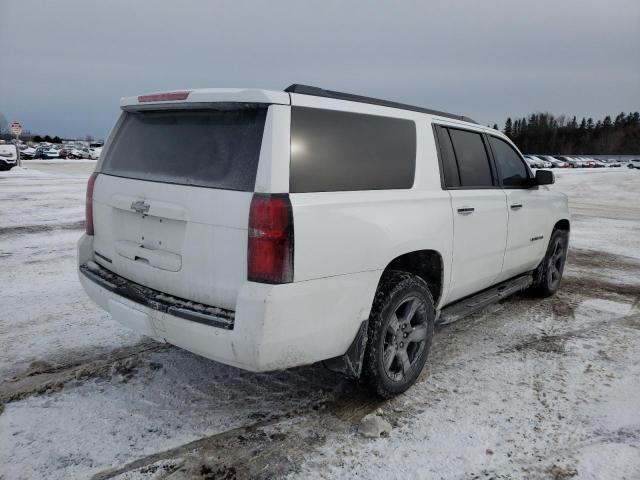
<point>545,177</point>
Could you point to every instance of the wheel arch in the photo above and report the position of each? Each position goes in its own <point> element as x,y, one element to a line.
<point>562,224</point>
<point>426,264</point>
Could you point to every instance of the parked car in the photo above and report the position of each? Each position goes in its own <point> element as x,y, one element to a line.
<point>95,152</point>
<point>595,163</point>
<point>8,156</point>
<point>309,225</point>
<point>81,152</point>
<point>542,161</point>
<point>533,162</point>
<point>27,153</point>
<point>612,163</point>
<point>557,163</point>
<point>573,162</point>
<point>64,152</point>
<point>634,163</point>
<point>46,152</point>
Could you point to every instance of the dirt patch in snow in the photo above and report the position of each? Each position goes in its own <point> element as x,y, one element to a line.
<point>598,259</point>
<point>45,377</point>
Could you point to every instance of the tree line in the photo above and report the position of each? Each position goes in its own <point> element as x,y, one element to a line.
<point>546,134</point>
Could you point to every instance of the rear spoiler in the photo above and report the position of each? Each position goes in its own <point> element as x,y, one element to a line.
<point>206,97</point>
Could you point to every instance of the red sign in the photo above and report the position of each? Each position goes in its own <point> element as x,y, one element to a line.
<point>16,128</point>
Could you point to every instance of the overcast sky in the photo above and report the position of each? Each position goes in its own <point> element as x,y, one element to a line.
<point>65,64</point>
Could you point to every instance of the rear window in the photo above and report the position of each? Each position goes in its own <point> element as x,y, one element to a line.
<point>342,151</point>
<point>207,148</point>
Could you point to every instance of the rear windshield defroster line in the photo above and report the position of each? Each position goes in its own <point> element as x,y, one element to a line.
<point>207,148</point>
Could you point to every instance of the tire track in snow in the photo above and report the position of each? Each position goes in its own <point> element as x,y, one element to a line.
<point>45,227</point>
<point>43,377</point>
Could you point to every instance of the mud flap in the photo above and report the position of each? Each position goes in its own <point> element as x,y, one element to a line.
<point>350,364</point>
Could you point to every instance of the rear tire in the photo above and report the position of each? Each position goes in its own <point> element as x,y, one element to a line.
<point>400,333</point>
<point>548,275</point>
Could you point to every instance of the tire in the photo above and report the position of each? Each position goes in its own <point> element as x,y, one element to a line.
<point>402,309</point>
<point>548,275</point>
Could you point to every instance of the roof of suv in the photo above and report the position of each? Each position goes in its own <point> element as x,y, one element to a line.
<point>320,92</point>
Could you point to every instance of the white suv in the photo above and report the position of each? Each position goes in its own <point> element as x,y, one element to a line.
<point>268,229</point>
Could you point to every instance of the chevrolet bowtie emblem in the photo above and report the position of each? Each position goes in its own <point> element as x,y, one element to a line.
<point>140,206</point>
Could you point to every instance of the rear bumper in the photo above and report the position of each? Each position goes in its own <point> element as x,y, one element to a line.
<point>275,326</point>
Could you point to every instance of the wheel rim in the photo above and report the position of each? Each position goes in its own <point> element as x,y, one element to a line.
<point>405,338</point>
<point>556,263</point>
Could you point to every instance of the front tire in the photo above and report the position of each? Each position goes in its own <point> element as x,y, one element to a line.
<point>400,333</point>
<point>549,273</point>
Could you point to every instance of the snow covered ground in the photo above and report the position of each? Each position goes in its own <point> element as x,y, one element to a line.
<point>523,389</point>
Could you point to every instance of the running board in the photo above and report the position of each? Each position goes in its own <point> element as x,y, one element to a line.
<point>472,304</point>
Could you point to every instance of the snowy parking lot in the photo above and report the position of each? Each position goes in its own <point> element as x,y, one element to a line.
<point>523,389</point>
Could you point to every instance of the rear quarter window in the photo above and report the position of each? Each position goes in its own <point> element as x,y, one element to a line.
<point>344,151</point>
<point>208,148</point>
<point>472,158</point>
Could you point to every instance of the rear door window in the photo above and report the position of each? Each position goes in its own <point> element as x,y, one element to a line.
<point>513,171</point>
<point>472,157</point>
<point>207,148</point>
<point>343,151</point>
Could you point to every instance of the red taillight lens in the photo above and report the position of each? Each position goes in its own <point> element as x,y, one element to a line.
<point>270,252</point>
<point>88,206</point>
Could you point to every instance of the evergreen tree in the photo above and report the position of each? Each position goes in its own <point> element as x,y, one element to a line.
<point>508,128</point>
<point>545,134</point>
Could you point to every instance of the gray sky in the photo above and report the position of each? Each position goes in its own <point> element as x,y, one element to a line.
<point>65,64</point>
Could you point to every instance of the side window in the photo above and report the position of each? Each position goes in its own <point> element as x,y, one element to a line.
<point>335,151</point>
<point>513,170</point>
<point>447,158</point>
<point>473,161</point>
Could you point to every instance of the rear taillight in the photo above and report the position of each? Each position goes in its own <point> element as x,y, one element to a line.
<point>270,252</point>
<point>88,206</point>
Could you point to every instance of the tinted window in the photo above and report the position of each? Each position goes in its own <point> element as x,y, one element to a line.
<point>448,159</point>
<point>473,161</point>
<point>513,171</point>
<point>341,151</point>
<point>209,148</point>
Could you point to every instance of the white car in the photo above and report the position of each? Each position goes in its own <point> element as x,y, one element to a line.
<point>555,163</point>
<point>28,152</point>
<point>95,152</point>
<point>543,161</point>
<point>51,152</point>
<point>8,156</point>
<point>271,229</point>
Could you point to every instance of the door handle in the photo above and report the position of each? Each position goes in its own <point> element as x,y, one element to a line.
<point>516,206</point>
<point>466,210</point>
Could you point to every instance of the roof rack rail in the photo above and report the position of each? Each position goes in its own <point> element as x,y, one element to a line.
<point>321,92</point>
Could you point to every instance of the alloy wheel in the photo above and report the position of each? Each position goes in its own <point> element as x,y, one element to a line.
<point>556,263</point>
<point>405,338</point>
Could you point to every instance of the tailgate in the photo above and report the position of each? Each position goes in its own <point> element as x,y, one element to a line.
<point>171,203</point>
